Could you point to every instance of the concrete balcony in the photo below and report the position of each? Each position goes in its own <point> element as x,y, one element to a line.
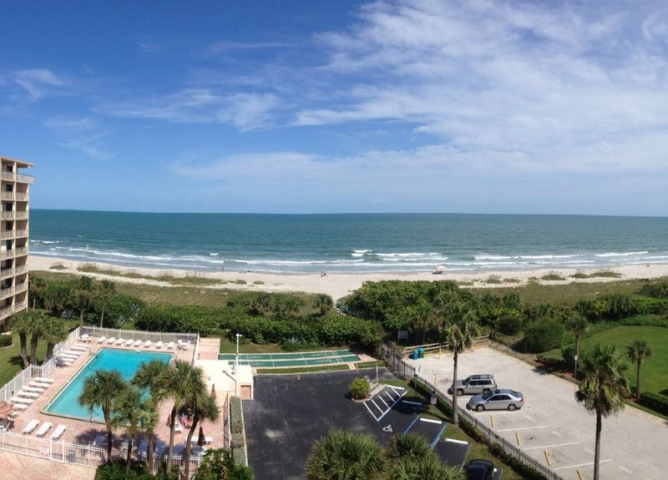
<point>6,272</point>
<point>21,197</point>
<point>7,196</point>
<point>7,234</point>
<point>21,270</point>
<point>8,215</point>
<point>29,179</point>
<point>6,292</point>
<point>23,287</point>
<point>21,233</point>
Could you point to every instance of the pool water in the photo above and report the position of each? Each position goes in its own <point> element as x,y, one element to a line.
<point>127,362</point>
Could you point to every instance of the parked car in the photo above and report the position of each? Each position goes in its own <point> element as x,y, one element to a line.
<point>475,384</point>
<point>479,469</point>
<point>499,399</point>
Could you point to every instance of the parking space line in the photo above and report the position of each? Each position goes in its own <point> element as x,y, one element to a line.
<point>581,465</point>
<point>521,428</point>
<point>551,446</point>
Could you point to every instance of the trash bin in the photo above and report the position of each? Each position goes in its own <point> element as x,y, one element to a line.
<point>421,352</point>
<point>415,355</point>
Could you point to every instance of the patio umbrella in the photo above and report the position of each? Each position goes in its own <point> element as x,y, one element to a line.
<point>201,439</point>
<point>213,390</point>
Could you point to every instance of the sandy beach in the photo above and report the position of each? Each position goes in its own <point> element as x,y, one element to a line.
<point>339,285</point>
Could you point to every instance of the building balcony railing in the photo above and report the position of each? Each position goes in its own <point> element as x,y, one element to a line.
<point>21,215</point>
<point>7,176</point>
<point>21,306</point>
<point>7,234</point>
<point>21,233</point>
<point>21,251</point>
<point>6,292</point>
<point>20,270</point>
<point>7,195</point>
<point>6,312</point>
<point>7,215</point>
<point>21,197</point>
<point>25,179</point>
<point>6,272</point>
<point>7,254</point>
<point>21,287</point>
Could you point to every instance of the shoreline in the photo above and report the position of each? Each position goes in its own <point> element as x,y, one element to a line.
<point>338,285</point>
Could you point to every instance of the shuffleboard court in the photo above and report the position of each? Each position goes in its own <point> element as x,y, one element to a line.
<point>303,359</point>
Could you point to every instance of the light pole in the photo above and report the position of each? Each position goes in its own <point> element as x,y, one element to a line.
<point>236,360</point>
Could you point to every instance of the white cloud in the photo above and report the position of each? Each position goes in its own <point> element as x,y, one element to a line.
<point>199,105</point>
<point>37,82</point>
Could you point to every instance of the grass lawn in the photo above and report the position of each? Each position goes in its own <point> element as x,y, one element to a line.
<point>654,371</point>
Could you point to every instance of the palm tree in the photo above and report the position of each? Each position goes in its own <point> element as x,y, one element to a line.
<point>202,406</point>
<point>638,352</point>
<point>84,293</point>
<point>183,382</point>
<point>602,389</point>
<point>577,325</point>
<point>22,324</point>
<point>343,455</point>
<point>152,375</point>
<point>427,468</point>
<point>131,411</point>
<point>105,290</point>
<point>323,303</point>
<point>39,321</point>
<point>408,446</point>
<point>459,334</point>
<point>101,390</point>
<point>36,289</point>
<point>53,331</point>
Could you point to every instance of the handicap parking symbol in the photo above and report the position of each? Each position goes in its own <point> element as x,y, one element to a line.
<point>387,429</point>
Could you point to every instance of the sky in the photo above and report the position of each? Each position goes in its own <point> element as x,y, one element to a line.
<point>302,106</point>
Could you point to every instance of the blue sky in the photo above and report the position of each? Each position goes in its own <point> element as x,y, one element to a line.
<point>305,106</point>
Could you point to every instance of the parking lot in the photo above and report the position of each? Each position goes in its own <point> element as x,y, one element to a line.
<point>552,427</point>
<point>289,414</point>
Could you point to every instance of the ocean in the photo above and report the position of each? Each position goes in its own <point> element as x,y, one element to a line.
<point>348,243</point>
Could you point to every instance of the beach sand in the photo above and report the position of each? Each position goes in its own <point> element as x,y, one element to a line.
<point>338,285</point>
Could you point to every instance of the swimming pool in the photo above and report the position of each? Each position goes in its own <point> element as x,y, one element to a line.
<point>125,361</point>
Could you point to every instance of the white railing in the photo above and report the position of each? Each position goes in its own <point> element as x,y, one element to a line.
<point>25,179</point>
<point>22,197</point>
<point>7,176</point>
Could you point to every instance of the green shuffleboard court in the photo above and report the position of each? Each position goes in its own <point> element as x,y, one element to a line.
<point>328,357</point>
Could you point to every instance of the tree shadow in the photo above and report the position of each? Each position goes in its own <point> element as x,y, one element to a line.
<point>16,360</point>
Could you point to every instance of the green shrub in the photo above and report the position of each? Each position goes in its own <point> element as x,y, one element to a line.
<point>5,340</point>
<point>568,354</point>
<point>509,325</point>
<point>654,401</point>
<point>542,336</point>
<point>553,276</point>
<point>359,388</point>
<point>655,290</point>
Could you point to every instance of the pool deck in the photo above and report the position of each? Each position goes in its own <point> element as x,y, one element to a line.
<point>84,432</point>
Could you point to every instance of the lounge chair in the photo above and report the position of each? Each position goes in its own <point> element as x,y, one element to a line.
<point>183,345</point>
<point>111,340</point>
<point>33,389</point>
<point>85,338</point>
<point>20,407</point>
<point>58,432</point>
<point>170,345</point>
<point>43,380</point>
<point>129,342</point>
<point>46,426</point>
<point>23,393</point>
<point>178,428</point>
<point>70,355</point>
<point>120,341</point>
<point>21,401</point>
<point>39,385</point>
<point>137,343</point>
<point>102,339</point>
<point>79,348</point>
<point>32,425</point>
<point>63,362</point>
<point>159,344</point>
<point>147,344</point>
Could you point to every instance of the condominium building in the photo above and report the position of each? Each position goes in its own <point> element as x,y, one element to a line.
<point>14,223</point>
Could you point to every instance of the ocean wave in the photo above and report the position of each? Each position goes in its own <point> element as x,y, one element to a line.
<point>621,254</point>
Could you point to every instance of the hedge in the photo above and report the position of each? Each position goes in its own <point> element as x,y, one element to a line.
<point>5,340</point>
<point>654,401</point>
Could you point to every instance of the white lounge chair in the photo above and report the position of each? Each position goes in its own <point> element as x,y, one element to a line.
<point>58,432</point>
<point>129,342</point>
<point>111,340</point>
<point>71,355</point>
<point>39,385</point>
<point>43,380</point>
<point>32,425</point>
<point>63,362</point>
<point>170,345</point>
<point>102,339</point>
<point>79,348</point>
<point>23,393</point>
<point>159,344</point>
<point>137,343</point>
<point>85,338</point>
<point>20,401</point>
<point>44,428</point>
<point>183,345</point>
<point>147,344</point>
<point>33,389</point>
<point>20,407</point>
<point>120,341</point>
